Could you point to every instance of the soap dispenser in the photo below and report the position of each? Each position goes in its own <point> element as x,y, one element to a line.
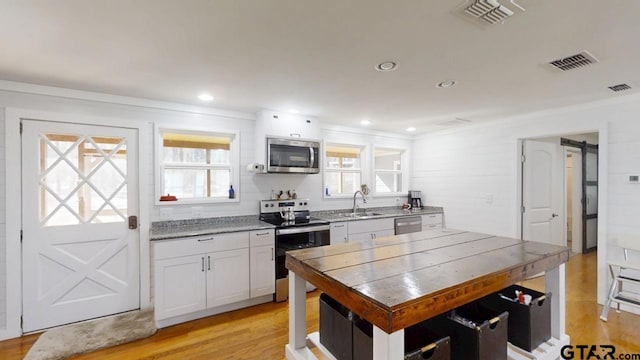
<point>232,193</point>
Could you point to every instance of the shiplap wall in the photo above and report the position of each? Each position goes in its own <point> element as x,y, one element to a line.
<point>462,169</point>
<point>253,187</point>
<point>3,237</point>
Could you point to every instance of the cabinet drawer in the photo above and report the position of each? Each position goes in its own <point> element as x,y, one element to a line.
<point>430,219</point>
<point>261,237</point>
<point>370,226</point>
<point>431,227</point>
<point>200,244</point>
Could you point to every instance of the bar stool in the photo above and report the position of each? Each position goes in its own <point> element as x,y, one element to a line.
<point>623,275</point>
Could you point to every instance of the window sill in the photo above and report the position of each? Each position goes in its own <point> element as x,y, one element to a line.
<point>197,201</point>
<point>338,196</point>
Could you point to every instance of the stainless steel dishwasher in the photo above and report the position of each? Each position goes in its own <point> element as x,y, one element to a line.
<point>409,224</point>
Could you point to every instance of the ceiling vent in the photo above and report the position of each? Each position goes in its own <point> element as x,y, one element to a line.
<point>490,11</point>
<point>620,87</point>
<point>574,61</point>
<point>453,122</point>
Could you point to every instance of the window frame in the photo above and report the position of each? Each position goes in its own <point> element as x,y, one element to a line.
<point>234,165</point>
<point>326,170</point>
<point>404,171</point>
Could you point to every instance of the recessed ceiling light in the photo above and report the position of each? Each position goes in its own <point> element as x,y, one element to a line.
<point>387,66</point>
<point>411,129</point>
<point>205,97</point>
<point>294,111</point>
<point>365,122</point>
<point>446,84</point>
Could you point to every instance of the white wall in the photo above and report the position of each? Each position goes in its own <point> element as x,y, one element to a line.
<point>461,169</point>
<point>252,187</point>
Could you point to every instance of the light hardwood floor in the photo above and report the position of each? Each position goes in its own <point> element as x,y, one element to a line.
<point>260,332</point>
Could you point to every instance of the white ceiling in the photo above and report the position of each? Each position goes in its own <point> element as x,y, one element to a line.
<point>319,56</point>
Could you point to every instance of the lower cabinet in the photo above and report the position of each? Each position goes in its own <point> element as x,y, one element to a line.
<point>338,233</point>
<point>362,230</point>
<point>263,270</point>
<point>198,273</point>
<point>179,286</point>
<point>227,277</point>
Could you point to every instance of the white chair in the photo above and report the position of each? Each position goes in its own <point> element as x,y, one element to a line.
<point>624,274</point>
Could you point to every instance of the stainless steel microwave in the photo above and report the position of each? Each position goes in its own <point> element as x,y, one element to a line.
<point>293,156</point>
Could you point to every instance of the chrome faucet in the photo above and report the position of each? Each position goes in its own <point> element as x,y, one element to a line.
<point>355,205</point>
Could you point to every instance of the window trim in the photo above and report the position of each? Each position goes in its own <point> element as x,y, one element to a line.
<point>234,148</point>
<point>360,170</point>
<point>404,171</point>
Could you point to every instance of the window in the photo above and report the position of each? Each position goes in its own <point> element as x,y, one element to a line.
<point>388,170</point>
<point>197,165</point>
<point>343,173</point>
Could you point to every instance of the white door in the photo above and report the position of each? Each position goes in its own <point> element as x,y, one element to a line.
<point>227,277</point>
<point>180,286</point>
<point>263,270</point>
<point>543,196</point>
<point>79,187</point>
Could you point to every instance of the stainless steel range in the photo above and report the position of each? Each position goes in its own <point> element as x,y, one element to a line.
<point>295,229</point>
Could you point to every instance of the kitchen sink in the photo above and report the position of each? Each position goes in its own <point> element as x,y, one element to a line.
<point>358,215</point>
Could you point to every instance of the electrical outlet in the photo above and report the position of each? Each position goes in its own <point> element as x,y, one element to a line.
<point>166,214</point>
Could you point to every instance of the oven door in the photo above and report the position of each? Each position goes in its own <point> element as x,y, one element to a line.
<point>293,156</point>
<point>293,238</point>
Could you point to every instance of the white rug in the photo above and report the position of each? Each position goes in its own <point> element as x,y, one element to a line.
<point>74,339</point>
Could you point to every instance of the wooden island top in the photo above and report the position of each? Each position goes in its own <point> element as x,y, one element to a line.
<point>398,281</point>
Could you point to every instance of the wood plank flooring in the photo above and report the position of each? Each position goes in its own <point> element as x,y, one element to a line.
<point>260,332</point>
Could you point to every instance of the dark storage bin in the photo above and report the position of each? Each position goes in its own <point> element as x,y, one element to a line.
<point>336,331</point>
<point>420,342</point>
<point>483,336</point>
<point>349,337</point>
<point>529,325</point>
<point>362,339</point>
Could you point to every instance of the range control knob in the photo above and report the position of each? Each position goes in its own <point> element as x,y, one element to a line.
<point>266,205</point>
<point>305,203</point>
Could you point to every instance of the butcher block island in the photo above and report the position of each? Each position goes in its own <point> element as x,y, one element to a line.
<point>399,281</point>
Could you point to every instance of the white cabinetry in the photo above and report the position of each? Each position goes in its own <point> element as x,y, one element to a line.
<point>339,232</point>
<point>179,286</point>
<point>370,229</point>
<point>227,277</point>
<point>263,266</point>
<point>431,221</point>
<point>204,272</point>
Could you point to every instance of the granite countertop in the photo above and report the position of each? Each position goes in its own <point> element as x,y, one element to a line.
<point>163,230</point>
<point>381,212</point>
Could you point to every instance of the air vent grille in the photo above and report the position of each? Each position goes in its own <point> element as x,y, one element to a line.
<point>488,10</point>
<point>620,87</point>
<point>574,61</point>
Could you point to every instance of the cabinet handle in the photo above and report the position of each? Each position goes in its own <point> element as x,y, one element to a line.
<point>202,264</point>
<point>207,239</point>
<point>337,226</point>
<point>209,263</point>
<point>271,254</point>
<point>375,236</point>
<point>261,234</point>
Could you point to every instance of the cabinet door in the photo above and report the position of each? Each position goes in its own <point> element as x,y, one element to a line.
<point>263,270</point>
<point>227,277</point>
<point>338,233</point>
<point>360,237</point>
<point>179,286</point>
<point>383,233</point>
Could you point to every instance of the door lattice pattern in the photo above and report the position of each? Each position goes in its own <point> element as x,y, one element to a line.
<point>82,179</point>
